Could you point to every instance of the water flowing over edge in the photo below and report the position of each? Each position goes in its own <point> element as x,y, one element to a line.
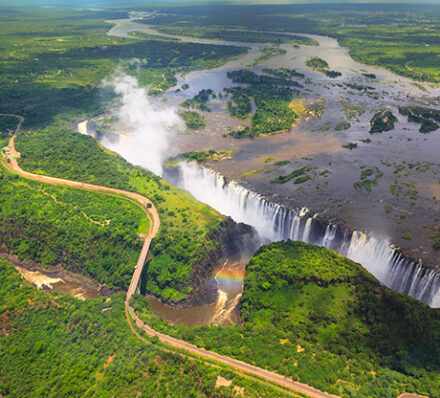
<point>274,222</point>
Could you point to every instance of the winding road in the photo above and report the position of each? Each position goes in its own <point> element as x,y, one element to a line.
<point>9,160</point>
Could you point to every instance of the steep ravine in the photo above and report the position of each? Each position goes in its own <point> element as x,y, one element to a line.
<point>216,279</point>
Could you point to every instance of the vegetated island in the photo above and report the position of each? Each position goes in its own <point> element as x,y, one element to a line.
<point>428,119</point>
<point>235,35</point>
<point>322,66</point>
<point>272,93</point>
<point>200,156</point>
<point>267,52</point>
<point>382,121</point>
<point>193,120</point>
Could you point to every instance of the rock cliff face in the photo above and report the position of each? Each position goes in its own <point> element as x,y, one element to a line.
<point>232,240</point>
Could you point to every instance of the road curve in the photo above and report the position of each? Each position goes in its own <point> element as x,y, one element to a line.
<point>148,207</point>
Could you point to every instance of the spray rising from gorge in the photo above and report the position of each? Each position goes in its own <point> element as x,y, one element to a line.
<point>147,132</point>
<point>146,126</point>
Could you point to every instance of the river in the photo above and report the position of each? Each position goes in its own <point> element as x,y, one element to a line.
<point>374,249</point>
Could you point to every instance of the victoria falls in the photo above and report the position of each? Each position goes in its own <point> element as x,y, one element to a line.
<point>220,199</point>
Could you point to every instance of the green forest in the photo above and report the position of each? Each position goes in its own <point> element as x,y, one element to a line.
<point>319,318</point>
<point>86,232</point>
<point>53,345</point>
<point>185,223</point>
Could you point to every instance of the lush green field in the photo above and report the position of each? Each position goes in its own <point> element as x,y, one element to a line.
<point>185,223</point>
<point>53,345</point>
<point>313,315</point>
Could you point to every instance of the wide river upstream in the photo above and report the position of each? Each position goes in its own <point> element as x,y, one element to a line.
<point>256,202</point>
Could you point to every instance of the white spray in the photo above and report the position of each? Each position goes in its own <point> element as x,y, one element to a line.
<point>146,125</point>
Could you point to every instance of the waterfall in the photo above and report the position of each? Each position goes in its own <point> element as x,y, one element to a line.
<point>274,222</point>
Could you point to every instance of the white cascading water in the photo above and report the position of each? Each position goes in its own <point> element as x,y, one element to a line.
<point>274,222</point>
<point>150,125</point>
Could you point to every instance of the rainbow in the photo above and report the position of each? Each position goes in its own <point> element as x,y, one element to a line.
<point>230,276</point>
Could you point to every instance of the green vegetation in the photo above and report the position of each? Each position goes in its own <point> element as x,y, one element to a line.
<point>91,233</point>
<point>407,236</point>
<point>382,121</point>
<point>282,163</point>
<point>268,159</point>
<point>193,120</point>
<point>322,66</point>
<point>435,236</point>
<point>199,101</point>
<point>332,74</point>
<point>293,174</point>
<point>7,125</point>
<point>272,97</point>
<point>344,125</point>
<point>404,41</point>
<point>200,156</point>
<point>402,49</point>
<point>388,208</point>
<point>301,180</point>
<point>284,73</point>
<point>251,173</point>
<point>239,105</point>
<point>52,345</point>
<point>267,52</point>
<point>366,182</point>
<point>319,318</point>
<point>427,118</point>
<point>241,132</point>
<point>317,63</point>
<point>246,76</point>
<point>350,145</point>
<point>352,111</point>
<point>149,36</point>
<point>369,75</point>
<point>241,36</point>
<point>185,223</point>
<point>50,67</point>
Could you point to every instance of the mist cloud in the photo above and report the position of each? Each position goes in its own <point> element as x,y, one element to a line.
<point>146,125</point>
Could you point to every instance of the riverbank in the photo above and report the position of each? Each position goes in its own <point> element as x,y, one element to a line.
<point>59,279</point>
